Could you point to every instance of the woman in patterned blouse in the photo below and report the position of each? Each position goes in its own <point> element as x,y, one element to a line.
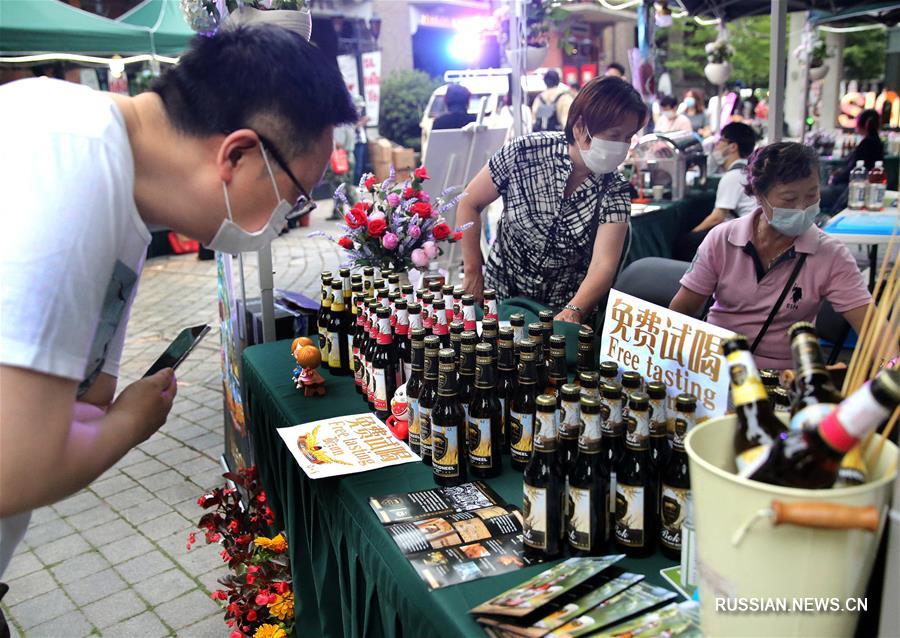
<point>565,209</point>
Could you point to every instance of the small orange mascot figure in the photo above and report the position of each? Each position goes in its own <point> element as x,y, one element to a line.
<point>305,375</point>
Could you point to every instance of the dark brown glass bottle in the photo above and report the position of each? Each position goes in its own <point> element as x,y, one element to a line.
<point>428,396</point>
<point>506,379</point>
<point>544,487</point>
<point>339,332</point>
<point>814,393</point>
<point>588,486</point>
<point>781,402</point>
<point>408,294</point>
<point>370,353</point>
<point>570,424</point>
<point>536,334</point>
<point>490,304</point>
<point>636,494</point>
<point>441,326</point>
<point>368,281</point>
<point>414,311</point>
<point>587,360</point>
<point>414,386</point>
<point>522,409</point>
<point>558,376</point>
<point>468,312</point>
<point>456,330</point>
<point>546,319</point>
<point>484,437</point>
<point>590,384</point>
<point>384,366</point>
<point>448,426</point>
<point>659,425</point>
<point>427,310</point>
<point>631,382</point>
<point>466,363</point>
<point>359,318</point>
<point>401,335</point>
<point>676,480</point>
<point>489,332</point>
<point>517,323</point>
<point>324,319</point>
<point>757,423</point>
<point>811,458</point>
<point>612,444</point>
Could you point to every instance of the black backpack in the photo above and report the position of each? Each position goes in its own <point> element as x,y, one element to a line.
<point>545,118</point>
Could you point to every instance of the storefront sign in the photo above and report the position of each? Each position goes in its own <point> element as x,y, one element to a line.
<point>371,63</point>
<point>853,103</point>
<point>350,73</point>
<point>667,346</point>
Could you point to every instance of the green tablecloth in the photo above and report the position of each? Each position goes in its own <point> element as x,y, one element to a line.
<point>654,234</point>
<point>349,577</point>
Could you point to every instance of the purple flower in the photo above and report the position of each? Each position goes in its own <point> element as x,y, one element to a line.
<point>414,231</point>
<point>424,197</point>
<point>430,250</point>
<point>390,241</point>
<point>419,258</point>
<point>393,200</point>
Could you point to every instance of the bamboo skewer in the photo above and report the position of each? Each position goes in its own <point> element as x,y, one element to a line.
<point>873,459</point>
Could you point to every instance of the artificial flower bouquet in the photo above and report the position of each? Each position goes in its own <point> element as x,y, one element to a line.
<point>394,224</point>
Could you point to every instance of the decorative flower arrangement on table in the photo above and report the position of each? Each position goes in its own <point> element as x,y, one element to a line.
<point>258,597</point>
<point>394,224</point>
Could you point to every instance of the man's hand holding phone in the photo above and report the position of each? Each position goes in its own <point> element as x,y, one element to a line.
<point>144,405</point>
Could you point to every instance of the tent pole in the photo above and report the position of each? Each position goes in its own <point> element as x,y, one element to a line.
<point>518,40</point>
<point>266,284</point>
<point>778,35</point>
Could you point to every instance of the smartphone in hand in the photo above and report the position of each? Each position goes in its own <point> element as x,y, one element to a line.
<point>179,349</point>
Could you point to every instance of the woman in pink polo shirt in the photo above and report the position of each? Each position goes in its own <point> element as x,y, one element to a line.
<point>774,253</point>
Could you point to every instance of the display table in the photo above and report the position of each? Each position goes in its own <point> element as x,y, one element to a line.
<point>350,579</point>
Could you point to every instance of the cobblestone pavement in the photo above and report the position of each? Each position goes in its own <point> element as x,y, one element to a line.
<point>111,560</point>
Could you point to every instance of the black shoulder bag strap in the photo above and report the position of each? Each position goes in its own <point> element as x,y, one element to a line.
<point>790,282</point>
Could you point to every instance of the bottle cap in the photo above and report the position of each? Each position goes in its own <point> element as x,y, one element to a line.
<point>546,402</point>
<point>432,342</point>
<point>686,402</point>
<point>589,379</point>
<point>414,308</point>
<point>586,333</point>
<point>590,405</point>
<point>631,380</point>
<point>546,316</point>
<point>801,327</point>
<point>490,293</point>
<point>558,341</point>
<point>611,391</point>
<point>638,401</point>
<point>468,300</point>
<point>470,337</point>
<point>609,369</point>
<point>505,334</point>
<point>517,319</point>
<point>656,390</point>
<point>456,327</point>
<point>737,342</point>
<point>418,336</point>
<point>383,313</point>
<point>570,392</point>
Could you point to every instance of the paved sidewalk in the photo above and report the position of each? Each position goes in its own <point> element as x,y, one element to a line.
<point>112,559</point>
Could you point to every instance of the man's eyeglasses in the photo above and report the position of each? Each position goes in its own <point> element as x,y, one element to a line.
<point>304,204</point>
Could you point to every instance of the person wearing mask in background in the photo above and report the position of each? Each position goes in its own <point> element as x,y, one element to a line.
<point>224,148</point>
<point>748,263</point>
<point>694,108</point>
<point>615,70</point>
<point>732,200</point>
<point>550,109</point>
<point>565,209</point>
<point>669,121</point>
<point>457,115</point>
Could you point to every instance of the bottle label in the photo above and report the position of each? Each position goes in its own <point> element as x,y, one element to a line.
<point>638,434</point>
<point>630,515</point>
<point>425,429</point>
<point>811,415</point>
<point>590,439</point>
<point>469,317</point>
<point>570,419</point>
<point>535,512</point>
<point>324,344</point>
<point>545,433</point>
<point>370,387</point>
<point>746,386</point>
<point>352,360</point>
<point>611,425</point>
<point>445,450</point>
<point>682,427</point>
<point>414,423</point>
<point>807,354</point>
<point>380,391</point>
<point>334,350</point>
<point>673,507</point>
<point>613,486</point>
<point>658,420</point>
<point>853,470</point>
<point>861,412</point>
<point>579,513</point>
<point>359,372</point>
<point>875,196</point>
<point>407,371</point>
<point>751,460</point>
<point>478,440</point>
<point>491,311</point>
<point>521,432</point>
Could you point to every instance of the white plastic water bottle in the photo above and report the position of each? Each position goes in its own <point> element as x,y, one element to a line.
<point>876,187</point>
<point>856,196</point>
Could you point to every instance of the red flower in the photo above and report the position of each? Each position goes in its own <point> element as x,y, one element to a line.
<point>422,209</point>
<point>262,599</point>
<point>251,579</point>
<point>233,526</point>
<point>251,615</point>
<point>281,587</point>
<point>357,217</point>
<point>236,634</point>
<point>441,231</point>
<point>253,569</point>
<point>234,609</point>
<point>345,242</point>
<point>243,540</point>
<point>370,183</point>
<point>261,497</point>
<point>218,595</point>
<point>272,598</point>
<point>457,236</point>
<point>421,173</point>
<point>377,227</point>
<point>410,193</point>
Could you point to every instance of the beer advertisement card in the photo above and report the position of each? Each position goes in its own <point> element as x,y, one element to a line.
<point>628,603</point>
<point>344,445</point>
<point>402,508</point>
<point>471,561</point>
<point>681,620</point>
<point>456,529</point>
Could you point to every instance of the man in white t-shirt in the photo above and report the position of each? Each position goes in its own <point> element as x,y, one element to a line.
<point>218,150</point>
<point>734,146</point>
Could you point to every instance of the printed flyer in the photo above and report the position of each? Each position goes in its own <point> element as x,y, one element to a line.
<point>675,619</point>
<point>344,445</point>
<point>456,529</point>
<point>401,508</point>
<point>462,563</point>
<point>631,601</point>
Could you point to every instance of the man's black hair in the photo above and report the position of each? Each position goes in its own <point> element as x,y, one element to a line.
<point>457,98</point>
<point>742,135</point>
<point>618,67</point>
<point>667,102</point>
<point>551,78</point>
<point>262,77</point>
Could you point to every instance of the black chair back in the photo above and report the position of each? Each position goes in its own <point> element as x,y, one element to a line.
<point>652,279</point>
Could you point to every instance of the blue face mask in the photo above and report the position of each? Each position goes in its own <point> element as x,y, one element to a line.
<point>793,222</point>
<point>690,102</point>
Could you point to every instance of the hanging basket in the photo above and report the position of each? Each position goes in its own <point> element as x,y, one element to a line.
<point>534,56</point>
<point>818,72</point>
<point>718,73</point>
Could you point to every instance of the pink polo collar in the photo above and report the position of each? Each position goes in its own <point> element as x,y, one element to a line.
<point>741,231</point>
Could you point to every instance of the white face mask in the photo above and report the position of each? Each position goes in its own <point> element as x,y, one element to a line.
<point>232,239</point>
<point>604,156</point>
<point>718,157</point>
<point>793,222</point>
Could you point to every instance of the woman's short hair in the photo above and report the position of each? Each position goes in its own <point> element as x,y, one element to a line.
<point>868,122</point>
<point>602,103</point>
<point>780,163</point>
<point>457,97</point>
<point>667,102</point>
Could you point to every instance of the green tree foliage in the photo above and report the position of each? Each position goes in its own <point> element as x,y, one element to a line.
<point>750,38</point>
<point>404,95</point>
<point>864,55</point>
<point>687,52</point>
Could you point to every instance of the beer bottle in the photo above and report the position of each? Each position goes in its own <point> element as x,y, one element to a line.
<point>468,312</point>
<point>506,380</point>
<point>384,366</point>
<point>359,318</point>
<point>404,349</point>
<point>536,334</point>
<point>490,304</point>
<point>447,298</point>
<point>570,424</point>
<point>408,294</point>
<point>350,310</point>
<point>489,328</point>
<point>346,287</point>
<point>522,409</point>
<point>757,423</point>
<point>590,384</point>
<point>609,372</point>
<point>435,288</point>
<point>612,444</point>
<point>485,423</point>
<point>414,313</point>
<point>587,361</point>
<point>466,364</point>
<point>676,480</point>
<point>427,310</point>
<point>340,334</point>
<point>440,325</point>
<point>558,375</point>
<point>546,319</point>
<point>369,281</point>
<point>456,330</point>
<point>659,425</point>
<point>458,293</point>
<point>810,458</point>
<point>448,423</point>
<point>631,382</point>
<point>393,298</point>
<point>428,396</point>
<point>636,496</point>
<point>814,394</point>
<point>781,402</point>
<point>370,352</point>
<point>517,322</point>
<point>324,319</point>
<point>393,282</point>
<point>543,484</point>
<point>414,386</point>
<point>770,379</point>
<point>588,486</point>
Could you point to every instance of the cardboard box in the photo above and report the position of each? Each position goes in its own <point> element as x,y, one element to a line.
<point>404,160</point>
<point>381,169</point>
<point>380,151</point>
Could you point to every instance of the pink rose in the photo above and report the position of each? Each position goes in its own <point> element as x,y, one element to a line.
<point>430,249</point>
<point>390,241</point>
<point>414,231</point>
<point>393,200</point>
<point>419,258</point>
<point>424,197</point>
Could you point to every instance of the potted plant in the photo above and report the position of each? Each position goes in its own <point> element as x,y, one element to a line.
<point>718,68</point>
<point>817,54</point>
<point>205,16</point>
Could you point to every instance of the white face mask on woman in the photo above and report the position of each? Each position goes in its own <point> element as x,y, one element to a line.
<point>793,222</point>
<point>603,156</point>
